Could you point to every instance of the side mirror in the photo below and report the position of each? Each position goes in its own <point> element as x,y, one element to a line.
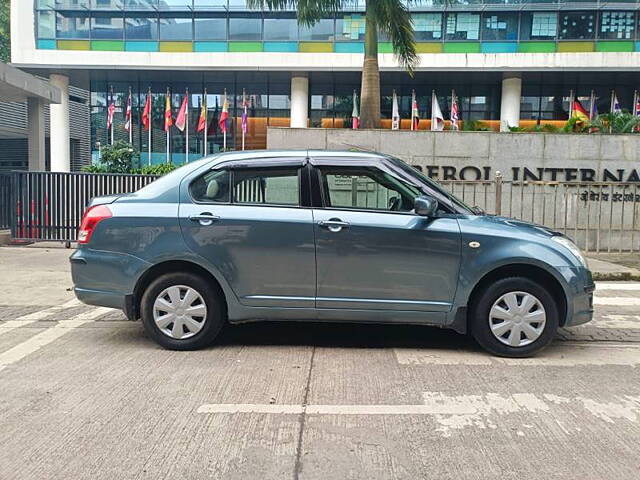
<point>425,206</point>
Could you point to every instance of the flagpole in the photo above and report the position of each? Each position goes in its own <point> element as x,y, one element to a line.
<point>570,104</point>
<point>242,126</point>
<point>167,127</point>
<point>113,116</point>
<point>413,99</point>
<point>453,99</point>
<point>206,121</point>
<point>187,130</point>
<point>130,102</point>
<point>611,109</point>
<point>150,123</point>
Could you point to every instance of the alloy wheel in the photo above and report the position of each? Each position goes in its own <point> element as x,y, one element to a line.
<point>517,319</point>
<point>179,312</point>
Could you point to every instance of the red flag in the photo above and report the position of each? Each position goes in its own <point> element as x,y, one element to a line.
<point>202,120</point>
<point>146,113</point>
<point>110,112</point>
<point>127,114</point>
<point>168,119</point>
<point>224,115</point>
<point>181,119</point>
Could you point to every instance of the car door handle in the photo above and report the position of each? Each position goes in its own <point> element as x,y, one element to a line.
<point>204,218</point>
<point>333,225</point>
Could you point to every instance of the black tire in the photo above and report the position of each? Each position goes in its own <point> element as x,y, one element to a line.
<point>481,306</point>
<point>213,322</point>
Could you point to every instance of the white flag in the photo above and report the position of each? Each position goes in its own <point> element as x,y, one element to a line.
<point>437,119</point>
<point>395,114</point>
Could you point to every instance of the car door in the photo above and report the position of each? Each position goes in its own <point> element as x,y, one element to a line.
<point>372,251</point>
<point>248,221</point>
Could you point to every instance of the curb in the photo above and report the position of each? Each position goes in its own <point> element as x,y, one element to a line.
<point>616,276</point>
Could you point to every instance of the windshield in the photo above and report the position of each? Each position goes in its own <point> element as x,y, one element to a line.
<point>413,172</point>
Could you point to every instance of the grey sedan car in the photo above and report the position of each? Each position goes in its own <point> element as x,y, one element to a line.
<point>324,236</point>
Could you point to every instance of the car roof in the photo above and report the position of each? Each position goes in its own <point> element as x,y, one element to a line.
<point>261,154</point>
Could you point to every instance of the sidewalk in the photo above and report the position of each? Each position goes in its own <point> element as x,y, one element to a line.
<point>614,266</point>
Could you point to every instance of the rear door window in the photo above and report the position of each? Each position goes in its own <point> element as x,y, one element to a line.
<point>267,186</point>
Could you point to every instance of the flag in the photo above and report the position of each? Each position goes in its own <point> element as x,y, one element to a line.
<point>636,107</point>
<point>127,113</point>
<point>224,116</point>
<point>615,105</point>
<point>415,113</point>
<point>355,114</point>
<point>168,119</point>
<point>146,113</point>
<point>181,118</point>
<point>202,119</point>
<point>579,113</point>
<point>245,113</point>
<point>455,112</point>
<point>437,119</point>
<point>110,112</point>
<point>395,114</point>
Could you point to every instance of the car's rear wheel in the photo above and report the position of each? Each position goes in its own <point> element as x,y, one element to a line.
<point>182,311</point>
<point>514,317</point>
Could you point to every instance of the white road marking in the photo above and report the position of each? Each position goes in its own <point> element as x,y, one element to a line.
<point>561,354</point>
<point>618,321</point>
<point>456,412</point>
<point>35,316</point>
<point>617,286</point>
<point>38,341</point>
<point>617,301</point>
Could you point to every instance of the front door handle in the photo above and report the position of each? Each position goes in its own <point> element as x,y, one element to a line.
<point>333,224</point>
<point>205,218</point>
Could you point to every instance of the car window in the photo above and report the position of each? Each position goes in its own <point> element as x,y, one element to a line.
<point>366,188</point>
<point>279,186</point>
<point>213,186</point>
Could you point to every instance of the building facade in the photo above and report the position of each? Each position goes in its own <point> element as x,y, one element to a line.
<point>509,62</point>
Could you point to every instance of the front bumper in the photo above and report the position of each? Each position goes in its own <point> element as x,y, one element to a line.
<point>582,308</point>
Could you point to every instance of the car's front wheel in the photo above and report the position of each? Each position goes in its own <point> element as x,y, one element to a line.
<point>514,317</point>
<point>181,311</point>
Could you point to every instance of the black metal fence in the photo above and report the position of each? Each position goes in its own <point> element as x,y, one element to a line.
<point>49,206</point>
<point>5,202</point>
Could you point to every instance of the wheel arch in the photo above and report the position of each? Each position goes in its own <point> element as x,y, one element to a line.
<point>529,271</point>
<point>132,309</point>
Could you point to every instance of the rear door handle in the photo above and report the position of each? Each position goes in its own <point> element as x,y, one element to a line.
<point>334,224</point>
<point>205,218</point>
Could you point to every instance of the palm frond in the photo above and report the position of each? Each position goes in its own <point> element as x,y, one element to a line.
<point>309,11</point>
<point>394,19</point>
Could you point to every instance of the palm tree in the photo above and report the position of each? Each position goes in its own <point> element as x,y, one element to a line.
<point>391,17</point>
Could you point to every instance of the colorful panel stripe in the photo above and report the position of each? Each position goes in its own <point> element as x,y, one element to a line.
<point>46,44</point>
<point>210,47</point>
<point>73,45</point>
<point>575,47</point>
<point>428,47</point>
<point>107,45</point>
<point>462,47</point>
<point>349,47</point>
<point>280,47</point>
<point>176,47</point>
<point>385,47</point>
<point>537,47</point>
<point>141,46</point>
<point>315,47</point>
<point>499,47</point>
<point>245,46</point>
<point>614,47</point>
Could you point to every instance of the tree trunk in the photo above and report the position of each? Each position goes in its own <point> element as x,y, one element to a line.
<point>370,88</point>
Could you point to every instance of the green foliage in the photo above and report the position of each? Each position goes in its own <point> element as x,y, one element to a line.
<point>120,157</point>
<point>5,32</point>
<point>158,169</point>
<point>623,122</point>
<point>475,126</point>
<point>542,128</point>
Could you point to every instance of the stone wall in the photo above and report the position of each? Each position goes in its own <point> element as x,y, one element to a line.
<point>478,155</point>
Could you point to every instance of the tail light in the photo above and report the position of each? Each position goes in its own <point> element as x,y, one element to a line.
<point>90,220</point>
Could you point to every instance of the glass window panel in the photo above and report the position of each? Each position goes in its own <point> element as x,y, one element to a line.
<point>209,4</point>
<point>47,24</point>
<point>176,28</point>
<point>350,27</point>
<point>107,4</point>
<point>140,4</point>
<point>213,187</point>
<point>616,25</point>
<point>141,28</point>
<point>282,29</point>
<point>577,25</point>
<point>322,31</point>
<point>211,29</point>
<point>72,25</point>
<point>427,26</point>
<point>529,103</point>
<point>266,186</point>
<point>538,25</point>
<point>107,27</point>
<point>500,26</point>
<point>72,3</point>
<point>462,26</point>
<point>175,4</point>
<point>245,28</point>
<point>45,4</point>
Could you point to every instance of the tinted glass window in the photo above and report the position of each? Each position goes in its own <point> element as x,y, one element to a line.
<point>107,26</point>
<point>538,25</point>
<point>616,25</point>
<point>213,186</point>
<point>267,186</point>
<point>428,26</point>
<point>462,26</point>
<point>500,26</point>
<point>75,25</point>
<point>283,29</point>
<point>321,31</point>
<point>177,28</point>
<point>211,28</point>
<point>577,25</point>
<point>141,28</point>
<point>366,188</point>
<point>245,29</point>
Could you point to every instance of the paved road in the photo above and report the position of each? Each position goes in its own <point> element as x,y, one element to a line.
<point>84,394</point>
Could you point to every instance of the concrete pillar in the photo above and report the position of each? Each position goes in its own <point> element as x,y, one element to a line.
<point>35,134</point>
<point>299,100</point>
<point>59,128</point>
<point>510,103</point>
